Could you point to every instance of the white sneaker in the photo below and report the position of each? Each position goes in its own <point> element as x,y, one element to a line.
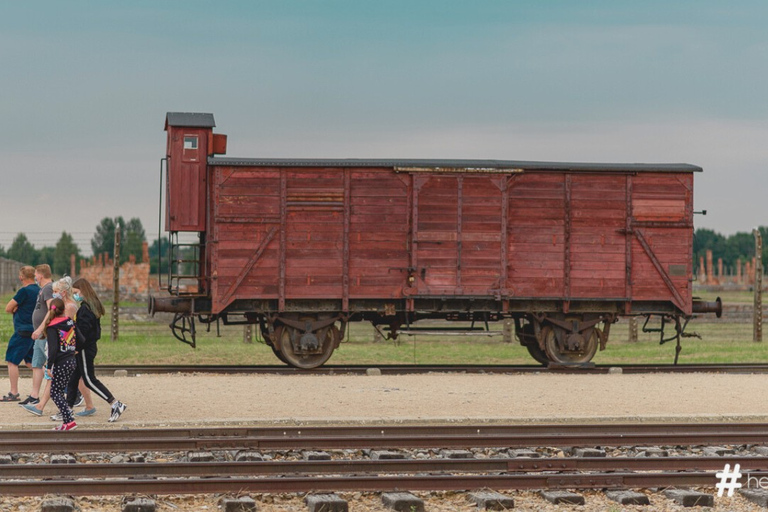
<point>118,408</point>
<point>57,417</point>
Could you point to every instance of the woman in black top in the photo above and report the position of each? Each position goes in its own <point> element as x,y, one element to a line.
<point>61,337</point>
<point>88,320</point>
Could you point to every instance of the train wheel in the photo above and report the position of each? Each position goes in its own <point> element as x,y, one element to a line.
<point>290,337</point>
<point>528,340</point>
<point>275,350</point>
<point>539,355</point>
<point>581,350</point>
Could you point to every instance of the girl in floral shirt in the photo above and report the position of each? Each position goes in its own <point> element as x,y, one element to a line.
<point>60,334</point>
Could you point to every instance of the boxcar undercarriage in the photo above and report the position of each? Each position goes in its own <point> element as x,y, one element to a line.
<point>306,333</point>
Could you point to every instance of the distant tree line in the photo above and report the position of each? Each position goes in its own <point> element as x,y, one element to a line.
<point>732,249</point>
<point>132,238</point>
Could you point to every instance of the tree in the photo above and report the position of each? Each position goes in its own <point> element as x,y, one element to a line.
<point>132,238</point>
<point>737,247</point>
<point>45,255</point>
<point>133,242</point>
<point>22,250</point>
<point>64,250</point>
<point>160,247</point>
<point>104,238</point>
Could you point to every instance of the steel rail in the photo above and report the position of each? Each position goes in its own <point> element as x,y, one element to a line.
<point>86,441</point>
<point>380,431</point>
<point>611,480</point>
<point>738,368</point>
<point>367,466</point>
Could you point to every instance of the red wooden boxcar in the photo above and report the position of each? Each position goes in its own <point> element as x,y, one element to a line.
<point>302,247</point>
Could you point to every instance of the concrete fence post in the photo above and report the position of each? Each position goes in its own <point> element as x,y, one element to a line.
<point>757,315</point>
<point>116,286</point>
<point>248,334</point>
<point>633,329</point>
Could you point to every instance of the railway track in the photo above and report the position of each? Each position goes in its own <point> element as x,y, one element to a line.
<point>132,370</point>
<point>378,437</point>
<point>359,472</point>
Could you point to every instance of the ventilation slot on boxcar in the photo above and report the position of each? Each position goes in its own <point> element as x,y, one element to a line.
<point>322,200</point>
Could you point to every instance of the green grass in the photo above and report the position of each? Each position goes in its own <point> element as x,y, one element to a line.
<point>142,342</point>
<point>727,296</point>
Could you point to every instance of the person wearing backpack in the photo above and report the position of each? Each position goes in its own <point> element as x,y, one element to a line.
<point>88,321</point>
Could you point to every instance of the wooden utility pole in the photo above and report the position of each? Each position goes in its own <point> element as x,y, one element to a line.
<point>757,315</point>
<point>116,285</point>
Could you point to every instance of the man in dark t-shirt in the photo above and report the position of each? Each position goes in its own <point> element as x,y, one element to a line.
<point>20,346</point>
<point>39,356</point>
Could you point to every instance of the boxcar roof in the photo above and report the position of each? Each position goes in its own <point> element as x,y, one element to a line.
<point>191,119</point>
<point>453,165</point>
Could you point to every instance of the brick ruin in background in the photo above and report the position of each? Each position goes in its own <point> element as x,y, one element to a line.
<point>135,278</point>
<point>742,274</point>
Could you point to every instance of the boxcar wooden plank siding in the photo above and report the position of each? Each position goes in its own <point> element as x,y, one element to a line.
<point>450,226</point>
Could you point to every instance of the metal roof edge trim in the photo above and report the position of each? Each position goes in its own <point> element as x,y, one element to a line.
<point>454,165</point>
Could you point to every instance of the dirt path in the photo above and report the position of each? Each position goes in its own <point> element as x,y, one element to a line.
<point>155,400</point>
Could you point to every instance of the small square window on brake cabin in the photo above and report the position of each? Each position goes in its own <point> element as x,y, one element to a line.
<point>190,142</point>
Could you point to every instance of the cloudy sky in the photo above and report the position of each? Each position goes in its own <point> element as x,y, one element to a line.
<point>86,85</point>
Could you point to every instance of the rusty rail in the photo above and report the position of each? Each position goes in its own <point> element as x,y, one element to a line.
<point>601,480</point>
<point>366,466</point>
<point>420,369</point>
<point>371,437</point>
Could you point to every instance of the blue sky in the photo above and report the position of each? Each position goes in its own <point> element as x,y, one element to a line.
<point>86,86</point>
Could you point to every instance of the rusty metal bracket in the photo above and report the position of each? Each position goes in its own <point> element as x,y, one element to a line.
<point>182,325</point>
<point>309,326</point>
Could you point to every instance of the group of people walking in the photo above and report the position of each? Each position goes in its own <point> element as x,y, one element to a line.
<point>57,325</point>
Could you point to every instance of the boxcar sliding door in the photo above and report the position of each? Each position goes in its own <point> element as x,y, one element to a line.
<point>457,234</point>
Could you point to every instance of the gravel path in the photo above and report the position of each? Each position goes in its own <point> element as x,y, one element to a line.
<point>432,398</point>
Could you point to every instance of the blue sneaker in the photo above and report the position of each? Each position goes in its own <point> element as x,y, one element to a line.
<point>34,410</point>
<point>86,412</point>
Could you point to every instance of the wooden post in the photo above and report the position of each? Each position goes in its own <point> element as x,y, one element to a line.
<point>116,285</point>
<point>757,315</point>
<point>633,329</point>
